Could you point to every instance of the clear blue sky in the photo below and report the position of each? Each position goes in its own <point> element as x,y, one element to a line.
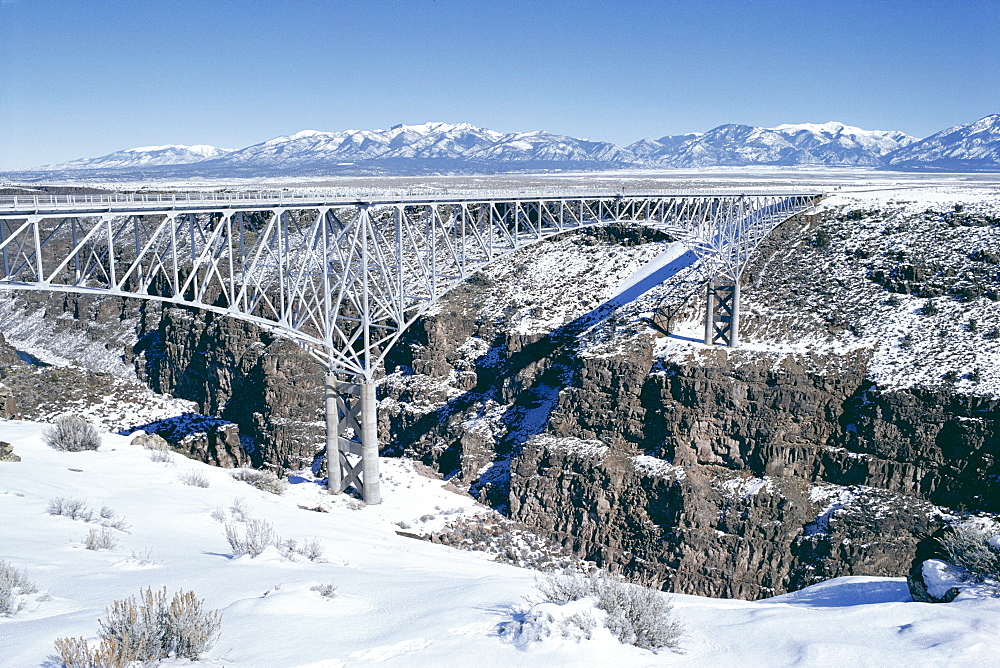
<point>88,77</point>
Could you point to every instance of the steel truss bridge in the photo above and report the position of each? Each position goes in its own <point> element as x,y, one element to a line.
<point>344,278</point>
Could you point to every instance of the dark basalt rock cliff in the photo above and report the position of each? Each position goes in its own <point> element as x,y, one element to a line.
<point>268,386</point>
<point>744,511</point>
<point>786,469</point>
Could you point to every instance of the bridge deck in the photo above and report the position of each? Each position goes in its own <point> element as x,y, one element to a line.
<point>18,205</point>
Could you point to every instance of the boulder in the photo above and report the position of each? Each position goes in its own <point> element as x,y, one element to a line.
<point>7,453</point>
<point>150,441</point>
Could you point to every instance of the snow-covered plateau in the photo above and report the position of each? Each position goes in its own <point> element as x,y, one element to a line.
<point>394,600</point>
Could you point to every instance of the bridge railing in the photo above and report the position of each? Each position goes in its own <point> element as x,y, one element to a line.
<point>249,198</point>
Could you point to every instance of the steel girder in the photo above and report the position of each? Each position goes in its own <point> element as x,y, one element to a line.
<point>342,279</point>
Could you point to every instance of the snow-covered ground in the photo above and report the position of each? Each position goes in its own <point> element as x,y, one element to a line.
<point>399,601</point>
<point>771,179</point>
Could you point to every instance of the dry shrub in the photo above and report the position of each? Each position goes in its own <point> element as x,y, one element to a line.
<point>256,538</point>
<point>100,540</point>
<point>76,653</point>
<point>637,615</point>
<point>161,456</point>
<point>75,509</point>
<point>14,588</point>
<point>328,590</point>
<point>970,548</point>
<point>194,478</point>
<point>262,480</point>
<point>146,631</point>
<point>72,434</point>
<point>311,549</point>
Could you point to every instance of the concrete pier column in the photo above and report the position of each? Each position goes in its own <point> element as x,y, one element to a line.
<point>369,444</point>
<point>334,478</point>
<point>734,324</point>
<point>710,314</point>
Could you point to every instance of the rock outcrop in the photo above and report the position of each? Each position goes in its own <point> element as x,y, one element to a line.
<point>7,453</point>
<point>752,504</point>
<point>206,439</point>
<point>269,387</point>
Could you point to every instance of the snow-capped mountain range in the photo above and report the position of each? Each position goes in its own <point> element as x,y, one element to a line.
<point>144,156</point>
<point>462,147</point>
<point>968,147</point>
<point>806,144</point>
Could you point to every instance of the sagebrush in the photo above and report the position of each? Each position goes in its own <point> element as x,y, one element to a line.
<point>239,510</point>
<point>111,520</point>
<point>310,549</point>
<point>15,587</point>
<point>194,478</point>
<point>257,536</point>
<point>637,615</point>
<point>161,456</point>
<point>72,434</point>
<point>262,480</point>
<point>971,548</point>
<point>101,539</point>
<point>149,630</point>
<point>328,590</point>
<point>77,509</point>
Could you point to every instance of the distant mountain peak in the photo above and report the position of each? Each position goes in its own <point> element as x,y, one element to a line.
<point>198,149</point>
<point>971,146</point>
<point>305,134</point>
<point>831,127</point>
<point>143,157</point>
<point>433,126</point>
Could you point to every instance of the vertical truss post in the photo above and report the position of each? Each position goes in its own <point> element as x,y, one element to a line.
<point>368,404</point>
<point>352,406</point>
<point>343,417</point>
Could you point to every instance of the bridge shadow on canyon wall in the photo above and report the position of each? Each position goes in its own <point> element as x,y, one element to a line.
<point>524,385</point>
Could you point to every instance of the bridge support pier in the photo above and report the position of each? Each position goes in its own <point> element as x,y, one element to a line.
<point>722,313</point>
<point>371,490</point>
<point>710,314</point>
<point>334,468</point>
<point>352,406</point>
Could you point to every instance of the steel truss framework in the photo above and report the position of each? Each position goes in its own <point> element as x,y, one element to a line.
<point>343,279</point>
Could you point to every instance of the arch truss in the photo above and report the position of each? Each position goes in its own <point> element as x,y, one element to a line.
<point>342,278</point>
